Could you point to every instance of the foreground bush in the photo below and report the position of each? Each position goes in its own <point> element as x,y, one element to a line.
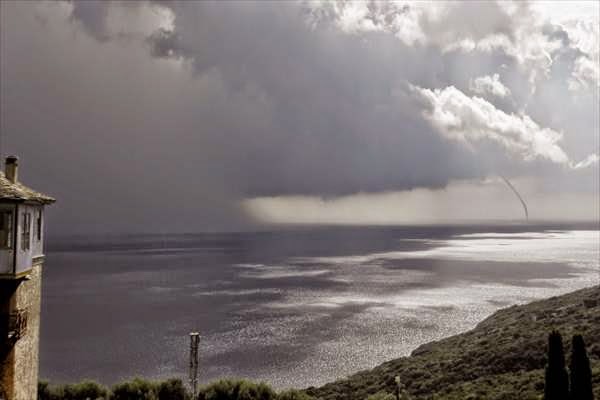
<point>86,390</point>
<point>226,389</point>
<point>381,396</point>
<point>171,389</point>
<point>137,389</point>
<point>293,394</point>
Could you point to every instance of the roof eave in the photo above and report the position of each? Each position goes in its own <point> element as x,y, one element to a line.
<point>43,201</point>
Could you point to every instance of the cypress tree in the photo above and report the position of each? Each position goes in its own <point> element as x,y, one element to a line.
<point>557,379</point>
<point>581,373</point>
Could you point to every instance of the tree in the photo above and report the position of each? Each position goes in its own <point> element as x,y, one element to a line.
<point>557,379</point>
<point>581,373</point>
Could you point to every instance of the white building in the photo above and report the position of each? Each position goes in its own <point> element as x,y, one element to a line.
<point>21,260</point>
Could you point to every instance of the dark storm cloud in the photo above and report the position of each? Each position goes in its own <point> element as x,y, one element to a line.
<point>339,120</point>
<point>165,43</point>
<point>236,99</point>
<point>92,15</point>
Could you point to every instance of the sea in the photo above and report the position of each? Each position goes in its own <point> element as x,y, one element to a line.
<point>291,306</point>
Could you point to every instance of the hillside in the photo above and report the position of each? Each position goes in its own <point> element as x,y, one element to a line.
<point>502,358</point>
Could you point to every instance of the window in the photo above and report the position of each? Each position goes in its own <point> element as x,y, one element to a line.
<point>6,229</point>
<point>26,232</point>
<point>39,225</point>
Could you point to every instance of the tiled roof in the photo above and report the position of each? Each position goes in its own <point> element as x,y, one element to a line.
<point>19,192</point>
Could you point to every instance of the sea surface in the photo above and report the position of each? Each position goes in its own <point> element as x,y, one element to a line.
<point>292,307</point>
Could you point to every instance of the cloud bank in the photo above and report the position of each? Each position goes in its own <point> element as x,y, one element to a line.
<point>168,116</point>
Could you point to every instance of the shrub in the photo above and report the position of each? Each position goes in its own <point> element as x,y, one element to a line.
<point>227,389</point>
<point>381,396</point>
<point>172,389</point>
<point>293,394</point>
<point>137,389</point>
<point>86,390</point>
<point>44,391</point>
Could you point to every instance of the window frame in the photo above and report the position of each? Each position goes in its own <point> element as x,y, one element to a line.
<point>7,222</point>
<point>26,231</point>
<point>39,227</point>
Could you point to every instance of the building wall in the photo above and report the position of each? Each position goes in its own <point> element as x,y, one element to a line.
<point>27,348</point>
<point>20,367</point>
<point>7,291</point>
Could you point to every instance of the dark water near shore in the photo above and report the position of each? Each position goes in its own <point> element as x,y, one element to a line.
<point>291,307</point>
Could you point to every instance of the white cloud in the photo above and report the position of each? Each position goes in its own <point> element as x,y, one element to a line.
<point>470,120</point>
<point>518,29</point>
<point>586,73</point>
<point>590,160</point>
<point>489,84</point>
<point>401,18</point>
<point>581,21</point>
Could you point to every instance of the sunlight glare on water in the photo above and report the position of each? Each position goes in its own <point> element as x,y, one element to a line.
<point>292,308</point>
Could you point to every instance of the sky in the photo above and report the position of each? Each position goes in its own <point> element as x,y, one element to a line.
<point>161,117</point>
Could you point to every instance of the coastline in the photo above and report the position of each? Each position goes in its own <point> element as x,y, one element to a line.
<point>503,355</point>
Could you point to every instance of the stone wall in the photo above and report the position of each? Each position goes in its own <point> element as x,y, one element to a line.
<point>7,290</point>
<point>20,367</point>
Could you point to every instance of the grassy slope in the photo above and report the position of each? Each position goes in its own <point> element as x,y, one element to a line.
<point>502,358</point>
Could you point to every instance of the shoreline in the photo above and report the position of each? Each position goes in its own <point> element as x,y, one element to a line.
<point>552,310</point>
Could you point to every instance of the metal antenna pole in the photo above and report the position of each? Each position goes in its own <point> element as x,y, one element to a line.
<point>194,340</point>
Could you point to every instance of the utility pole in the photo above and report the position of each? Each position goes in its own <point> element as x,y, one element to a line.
<point>400,389</point>
<point>194,340</point>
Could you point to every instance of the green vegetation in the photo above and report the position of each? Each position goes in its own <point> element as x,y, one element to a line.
<point>242,390</point>
<point>172,389</point>
<point>505,357</point>
<point>381,396</point>
<point>75,391</point>
<point>137,389</point>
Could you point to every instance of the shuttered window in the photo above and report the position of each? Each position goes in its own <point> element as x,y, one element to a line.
<point>39,225</point>
<point>6,229</point>
<point>26,232</point>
